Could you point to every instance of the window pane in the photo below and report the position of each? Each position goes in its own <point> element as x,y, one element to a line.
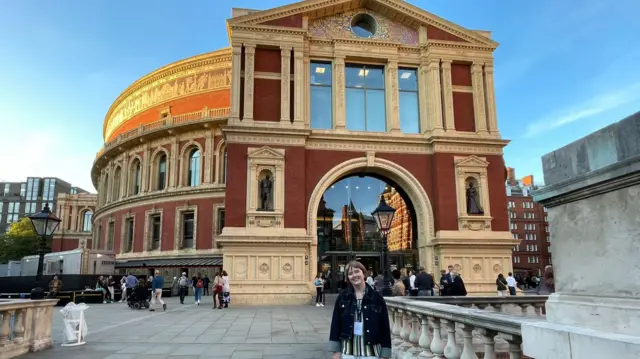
<point>321,107</point>
<point>354,76</point>
<point>374,78</point>
<point>409,114</point>
<point>376,116</point>
<point>355,109</point>
<point>407,80</point>
<point>194,168</point>
<point>320,74</point>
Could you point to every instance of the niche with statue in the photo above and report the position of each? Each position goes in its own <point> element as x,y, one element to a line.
<point>265,205</point>
<point>472,192</point>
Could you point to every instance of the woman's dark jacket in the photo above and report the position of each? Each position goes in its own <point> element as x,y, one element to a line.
<point>375,318</point>
<point>500,284</point>
<point>457,288</point>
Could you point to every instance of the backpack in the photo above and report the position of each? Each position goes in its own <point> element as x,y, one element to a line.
<point>200,284</point>
<point>183,282</point>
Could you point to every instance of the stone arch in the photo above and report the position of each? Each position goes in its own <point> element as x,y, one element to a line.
<point>385,168</point>
<point>153,173</point>
<point>221,170</point>
<point>130,175</point>
<point>184,162</point>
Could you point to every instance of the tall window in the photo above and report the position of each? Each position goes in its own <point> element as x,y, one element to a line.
<point>365,98</point>
<point>7,188</point>
<point>221,213</point>
<point>137,177</point>
<point>110,235</point>
<point>187,229</point>
<point>409,108</point>
<point>13,212</point>
<point>129,235</point>
<point>23,190</point>
<point>194,167</point>
<point>156,221</point>
<point>115,190</point>
<point>223,177</point>
<point>86,221</point>
<point>30,189</point>
<point>321,96</point>
<point>45,190</point>
<point>162,172</point>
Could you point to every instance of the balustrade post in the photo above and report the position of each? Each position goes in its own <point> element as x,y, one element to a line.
<point>437,344</point>
<point>489,343</point>
<point>406,330</point>
<point>524,308</point>
<point>425,340</point>
<point>451,350</point>
<point>414,336</point>
<point>538,308</point>
<point>6,328</point>
<point>18,324</point>
<point>497,307</point>
<point>397,327</point>
<point>515,345</point>
<point>468,349</point>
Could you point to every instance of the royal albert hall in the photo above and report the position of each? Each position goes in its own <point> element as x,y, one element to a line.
<point>266,158</point>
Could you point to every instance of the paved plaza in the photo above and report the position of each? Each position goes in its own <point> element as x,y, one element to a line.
<point>189,331</point>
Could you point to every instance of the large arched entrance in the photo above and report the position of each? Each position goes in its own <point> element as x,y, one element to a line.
<point>339,217</point>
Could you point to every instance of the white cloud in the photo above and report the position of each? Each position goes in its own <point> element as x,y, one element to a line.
<point>594,106</point>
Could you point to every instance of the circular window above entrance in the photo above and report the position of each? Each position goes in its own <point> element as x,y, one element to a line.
<point>364,25</point>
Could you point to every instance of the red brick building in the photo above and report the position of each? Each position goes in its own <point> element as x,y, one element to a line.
<point>230,157</point>
<point>529,225</point>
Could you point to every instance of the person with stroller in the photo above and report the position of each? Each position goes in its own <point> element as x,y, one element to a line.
<point>139,297</point>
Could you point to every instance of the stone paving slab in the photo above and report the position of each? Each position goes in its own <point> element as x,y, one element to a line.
<point>199,332</point>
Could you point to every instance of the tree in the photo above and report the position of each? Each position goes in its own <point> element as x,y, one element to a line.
<point>19,241</point>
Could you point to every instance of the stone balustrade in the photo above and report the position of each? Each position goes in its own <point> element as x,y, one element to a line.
<point>26,326</point>
<point>461,327</point>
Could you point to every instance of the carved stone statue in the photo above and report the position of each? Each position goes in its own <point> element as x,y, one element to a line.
<point>473,201</point>
<point>266,193</point>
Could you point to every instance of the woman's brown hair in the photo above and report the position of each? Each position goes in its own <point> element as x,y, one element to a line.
<point>353,265</point>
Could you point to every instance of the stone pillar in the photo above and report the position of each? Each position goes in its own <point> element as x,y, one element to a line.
<point>477,82</point>
<point>592,195</point>
<point>236,64</point>
<point>249,65</point>
<point>74,218</point>
<point>447,93</point>
<point>124,176</point>
<point>307,90</point>
<point>339,100</point>
<point>490,98</point>
<point>392,97</point>
<point>423,73</point>
<point>298,83</point>
<point>285,83</point>
<point>208,157</point>
<point>173,163</point>
<point>434,101</point>
<point>146,166</point>
<point>109,184</point>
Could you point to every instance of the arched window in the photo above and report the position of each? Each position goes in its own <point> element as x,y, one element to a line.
<point>162,172</point>
<point>115,189</point>
<point>194,167</point>
<point>86,221</point>
<point>223,174</point>
<point>136,177</point>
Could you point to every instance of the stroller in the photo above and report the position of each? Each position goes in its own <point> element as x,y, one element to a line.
<point>139,298</point>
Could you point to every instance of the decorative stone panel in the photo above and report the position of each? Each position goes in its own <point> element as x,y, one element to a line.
<point>265,160</point>
<point>472,168</point>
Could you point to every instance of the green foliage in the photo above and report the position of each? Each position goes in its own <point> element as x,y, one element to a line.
<point>19,241</point>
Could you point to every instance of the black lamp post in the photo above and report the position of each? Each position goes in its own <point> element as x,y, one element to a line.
<point>383,215</point>
<point>44,223</point>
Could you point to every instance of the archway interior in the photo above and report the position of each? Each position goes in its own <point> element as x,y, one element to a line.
<point>346,229</point>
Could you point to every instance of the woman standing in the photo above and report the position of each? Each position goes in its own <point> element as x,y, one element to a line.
<point>360,322</point>
<point>501,284</point>
<point>319,284</point>
<point>216,289</point>
<point>226,289</point>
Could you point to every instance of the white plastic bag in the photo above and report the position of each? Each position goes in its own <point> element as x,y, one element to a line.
<point>74,322</point>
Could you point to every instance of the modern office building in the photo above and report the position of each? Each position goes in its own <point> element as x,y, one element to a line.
<point>19,199</point>
<point>267,157</point>
<point>529,225</point>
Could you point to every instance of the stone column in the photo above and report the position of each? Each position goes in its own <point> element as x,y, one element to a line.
<point>307,90</point>
<point>434,100</point>
<point>109,184</point>
<point>173,163</point>
<point>285,83</point>
<point>392,97</point>
<point>236,64</point>
<point>124,176</point>
<point>298,89</point>
<point>146,166</point>
<point>422,96</point>
<point>447,93</point>
<point>592,195</point>
<point>208,157</point>
<point>249,65</point>
<point>74,218</point>
<point>489,90</point>
<point>477,82</point>
<point>339,109</point>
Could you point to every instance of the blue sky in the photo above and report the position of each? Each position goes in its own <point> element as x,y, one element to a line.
<point>562,70</point>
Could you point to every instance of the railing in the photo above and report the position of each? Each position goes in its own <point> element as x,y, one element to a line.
<point>26,326</point>
<point>461,327</point>
<point>206,114</point>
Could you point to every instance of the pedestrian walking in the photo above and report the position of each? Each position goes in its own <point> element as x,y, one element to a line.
<point>156,291</point>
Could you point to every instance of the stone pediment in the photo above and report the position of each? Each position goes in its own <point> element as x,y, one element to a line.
<point>472,161</point>
<point>397,13</point>
<point>266,152</point>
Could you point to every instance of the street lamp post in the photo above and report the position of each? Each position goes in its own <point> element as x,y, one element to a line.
<point>44,223</point>
<point>383,215</point>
